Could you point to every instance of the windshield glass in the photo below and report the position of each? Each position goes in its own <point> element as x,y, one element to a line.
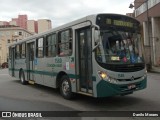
<point>119,47</point>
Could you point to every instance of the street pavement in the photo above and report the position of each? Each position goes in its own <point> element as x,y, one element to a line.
<point>17,97</point>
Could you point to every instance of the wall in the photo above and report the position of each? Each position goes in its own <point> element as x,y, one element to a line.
<point>156,41</point>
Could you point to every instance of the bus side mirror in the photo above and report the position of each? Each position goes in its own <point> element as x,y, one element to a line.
<point>93,50</point>
<point>96,36</point>
<point>96,39</point>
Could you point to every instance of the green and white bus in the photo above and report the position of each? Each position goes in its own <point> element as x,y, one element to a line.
<point>98,55</point>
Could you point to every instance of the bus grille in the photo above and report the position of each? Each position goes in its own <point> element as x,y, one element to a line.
<point>128,68</point>
<point>124,67</point>
<point>125,80</point>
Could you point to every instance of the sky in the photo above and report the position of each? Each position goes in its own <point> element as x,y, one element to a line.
<point>60,11</point>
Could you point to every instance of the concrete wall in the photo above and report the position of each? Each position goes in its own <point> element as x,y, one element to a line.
<point>155,41</point>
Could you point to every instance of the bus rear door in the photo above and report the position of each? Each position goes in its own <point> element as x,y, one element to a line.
<point>30,60</point>
<point>12,61</point>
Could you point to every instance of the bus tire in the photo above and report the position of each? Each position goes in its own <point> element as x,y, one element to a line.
<point>65,87</point>
<point>22,78</point>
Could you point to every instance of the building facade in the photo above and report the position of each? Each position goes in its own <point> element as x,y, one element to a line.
<point>10,34</point>
<point>44,25</point>
<point>4,23</point>
<point>21,21</point>
<point>147,12</point>
<point>13,23</point>
<point>33,26</point>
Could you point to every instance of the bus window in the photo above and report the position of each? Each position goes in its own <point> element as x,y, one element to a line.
<point>10,55</point>
<point>51,45</point>
<point>23,52</point>
<point>18,54</point>
<point>40,49</point>
<point>65,43</point>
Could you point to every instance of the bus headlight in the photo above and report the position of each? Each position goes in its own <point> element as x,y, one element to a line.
<point>103,75</point>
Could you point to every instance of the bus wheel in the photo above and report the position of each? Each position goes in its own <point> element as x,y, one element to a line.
<point>65,87</point>
<point>22,78</point>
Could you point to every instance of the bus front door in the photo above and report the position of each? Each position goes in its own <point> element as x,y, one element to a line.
<point>30,63</point>
<point>84,59</point>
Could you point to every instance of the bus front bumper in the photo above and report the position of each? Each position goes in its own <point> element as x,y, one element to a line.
<point>105,89</point>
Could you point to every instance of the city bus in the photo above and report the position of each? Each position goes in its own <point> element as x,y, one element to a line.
<point>98,55</point>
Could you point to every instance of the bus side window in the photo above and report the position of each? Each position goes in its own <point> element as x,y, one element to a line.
<point>17,53</point>
<point>10,53</point>
<point>51,45</point>
<point>40,47</point>
<point>23,50</point>
<point>65,43</point>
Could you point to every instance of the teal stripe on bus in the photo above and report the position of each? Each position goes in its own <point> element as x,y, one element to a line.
<point>49,73</point>
<point>45,73</point>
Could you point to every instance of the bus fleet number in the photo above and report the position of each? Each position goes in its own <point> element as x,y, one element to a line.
<point>58,60</point>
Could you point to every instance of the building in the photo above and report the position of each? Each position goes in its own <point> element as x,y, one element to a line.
<point>10,34</point>
<point>4,23</point>
<point>21,21</point>
<point>130,14</point>
<point>44,25</point>
<point>13,23</point>
<point>147,12</point>
<point>32,26</point>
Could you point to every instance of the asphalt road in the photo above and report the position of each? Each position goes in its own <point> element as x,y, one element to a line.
<point>17,97</point>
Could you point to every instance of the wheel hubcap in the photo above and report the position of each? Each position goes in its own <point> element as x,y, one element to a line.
<point>65,87</point>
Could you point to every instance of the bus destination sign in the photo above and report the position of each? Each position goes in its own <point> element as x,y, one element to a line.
<point>119,23</point>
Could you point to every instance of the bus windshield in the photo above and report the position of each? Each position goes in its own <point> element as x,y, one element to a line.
<point>119,47</point>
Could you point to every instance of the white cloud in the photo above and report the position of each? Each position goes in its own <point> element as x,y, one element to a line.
<point>60,11</point>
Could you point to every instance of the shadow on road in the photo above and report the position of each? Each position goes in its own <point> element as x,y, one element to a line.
<point>103,104</point>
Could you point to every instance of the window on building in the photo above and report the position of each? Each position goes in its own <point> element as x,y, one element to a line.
<point>9,40</point>
<point>65,43</point>
<point>40,47</point>
<point>51,45</point>
<point>14,40</point>
<point>20,33</point>
<point>15,33</point>
<point>2,34</point>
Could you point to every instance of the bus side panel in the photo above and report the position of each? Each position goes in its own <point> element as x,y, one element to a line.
<point>50,72</point>
<point>39,70</point>
<point>20,64</point>
<point>16,68</point>
<point>10,69</point>
<point>68,66</point>
<point>23,66</point>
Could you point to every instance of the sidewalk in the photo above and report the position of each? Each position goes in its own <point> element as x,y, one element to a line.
<point>155,69</point>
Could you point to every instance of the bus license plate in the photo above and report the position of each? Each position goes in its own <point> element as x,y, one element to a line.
<point>131,86</point>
